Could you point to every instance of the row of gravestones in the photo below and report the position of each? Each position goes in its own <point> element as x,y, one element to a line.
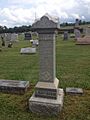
<point>76,31</point>
<point>7,39</point>
<point>78,37</point>
<point>34,43</point>
<point>47,98</point>
<point>85,40</point>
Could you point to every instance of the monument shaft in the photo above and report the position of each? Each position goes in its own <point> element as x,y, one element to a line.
<point>47,57</point>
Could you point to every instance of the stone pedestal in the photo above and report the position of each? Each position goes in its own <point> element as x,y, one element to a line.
<point>48,98</point>
<point>44,106</point>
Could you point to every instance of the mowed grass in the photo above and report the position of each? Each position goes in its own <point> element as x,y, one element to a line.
<point>72,69</point>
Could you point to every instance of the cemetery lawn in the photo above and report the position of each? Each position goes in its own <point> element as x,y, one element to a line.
<point>73,70</point>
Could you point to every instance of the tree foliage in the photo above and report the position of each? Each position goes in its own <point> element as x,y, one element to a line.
<point>4,29</point>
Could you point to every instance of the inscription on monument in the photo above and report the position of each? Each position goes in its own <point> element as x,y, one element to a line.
<point>46,93</point>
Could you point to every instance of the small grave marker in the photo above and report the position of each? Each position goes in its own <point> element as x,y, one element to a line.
<point>14,86</point>
<point>74,91</point>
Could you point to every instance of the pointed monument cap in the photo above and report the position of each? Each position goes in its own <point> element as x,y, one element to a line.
<point>47,22</point>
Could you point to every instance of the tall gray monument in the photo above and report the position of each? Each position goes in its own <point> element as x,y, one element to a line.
<point>48,98</point>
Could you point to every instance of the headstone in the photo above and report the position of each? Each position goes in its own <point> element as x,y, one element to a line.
<point>48,98</point>
<point>28,50</point>
<point>28,36</point>
<point>8,42</point>
<point>74,91</point>
<point>14,86</point>
<point>86,39</point>
<point>77,33</point>
<point>14,37</point>
<point>65,37</point>
<point>8,36</point>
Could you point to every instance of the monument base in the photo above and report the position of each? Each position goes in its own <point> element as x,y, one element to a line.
<point>45,106</point>
<point>47,89</point>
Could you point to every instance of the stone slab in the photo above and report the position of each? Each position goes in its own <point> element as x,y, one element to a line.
<point>83,41</point>
<point>65,35</point>
<point>74,91</point>
<point>28,50</point>
<point>45,106</point>
<point>14,86</point>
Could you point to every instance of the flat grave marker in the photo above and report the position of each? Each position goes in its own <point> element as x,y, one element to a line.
<point>14,86</point>
<point>28,50</point>
<point>74,91</point>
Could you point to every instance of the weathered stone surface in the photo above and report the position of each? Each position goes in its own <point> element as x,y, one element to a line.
<point>45,106</point>
<point>77,33</point>
<point>86,39</point>
<point>47,89</point>
<point>74,91</point>
<point>8,37</point>
<point>46,22</point>
<point>47,99</point>
<point>47,57</point>
<point>65,35</point>
<point>83,41</point>
<point>13,86</point>
<point>28,50</point>
<point>14,37</point>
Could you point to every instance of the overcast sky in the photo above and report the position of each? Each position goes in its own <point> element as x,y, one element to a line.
<point>23,12</point>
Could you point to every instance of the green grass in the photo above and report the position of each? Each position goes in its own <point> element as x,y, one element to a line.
<point>73,64</point>
<point>73,70</point>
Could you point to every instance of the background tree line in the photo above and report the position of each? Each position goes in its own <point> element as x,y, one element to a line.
<point>72,24</point>
<point>24,28</point>
<point>4,29</point>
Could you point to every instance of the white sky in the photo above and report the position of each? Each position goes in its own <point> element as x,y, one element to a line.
<point>23,12</point>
